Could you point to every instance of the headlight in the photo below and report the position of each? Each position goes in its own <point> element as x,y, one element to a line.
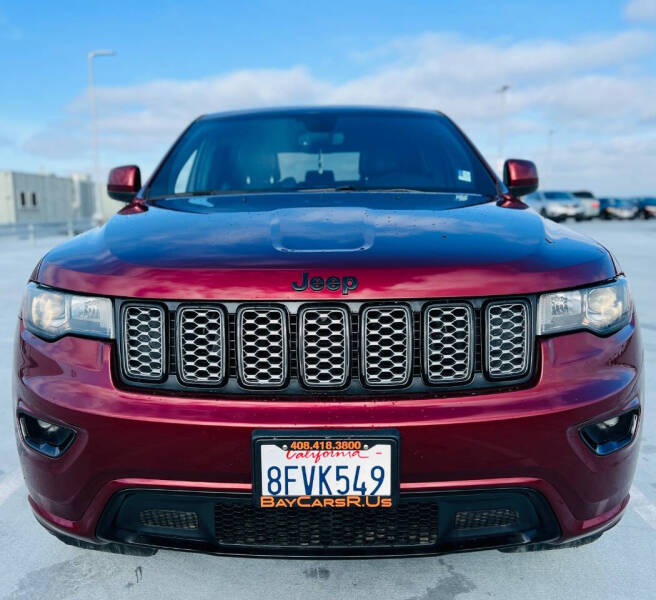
<point>602,309</point>
<point>50,314</point>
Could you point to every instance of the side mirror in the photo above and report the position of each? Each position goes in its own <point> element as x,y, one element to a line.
<point>520,177</point>
<point>124,183</point>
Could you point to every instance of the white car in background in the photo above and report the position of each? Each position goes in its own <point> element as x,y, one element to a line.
<point>556,205</point>
<point>589,203</point>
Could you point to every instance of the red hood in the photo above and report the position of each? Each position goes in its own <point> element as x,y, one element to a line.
<point>397,245</point>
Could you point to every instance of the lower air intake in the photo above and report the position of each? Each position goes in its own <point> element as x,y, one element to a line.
<point>176,519</point>
<point>411,524</point>
<point>497,517</point>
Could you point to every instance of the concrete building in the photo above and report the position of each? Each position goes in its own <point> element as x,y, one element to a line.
<point>83,196</point>
<point>108,207</point>
<point>35,198</point>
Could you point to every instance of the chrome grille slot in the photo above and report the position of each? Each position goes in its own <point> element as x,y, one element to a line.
<point>143,341</point>
<point>386,345</point>
<point>342,347</point>
<point>507,339</point>
<point>201,345</point>
<point>448,343</point>
<point>324,346</point>
<point>262,346</point>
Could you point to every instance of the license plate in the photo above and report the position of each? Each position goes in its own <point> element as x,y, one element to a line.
<point>325,469</point>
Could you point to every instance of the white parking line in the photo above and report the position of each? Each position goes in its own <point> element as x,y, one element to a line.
<point>641,504</point>
<point>10,484</point>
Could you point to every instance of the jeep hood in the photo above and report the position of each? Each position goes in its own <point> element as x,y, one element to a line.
<point>398,245</point>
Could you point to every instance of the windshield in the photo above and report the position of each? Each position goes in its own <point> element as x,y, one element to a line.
<point>319,150</point>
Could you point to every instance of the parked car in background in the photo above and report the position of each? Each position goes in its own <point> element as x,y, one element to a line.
<point>556,205</point>
<point>647,207</point>
<point>589,203</point>
<point>618,208</point>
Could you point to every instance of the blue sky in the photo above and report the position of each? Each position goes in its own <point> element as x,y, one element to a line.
<point>585,70</point>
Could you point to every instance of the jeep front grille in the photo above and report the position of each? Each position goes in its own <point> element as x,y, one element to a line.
<point>262,346</point>
<point>143,341</point>
<point>449,347</point>
<point>507,339</point>
<point>201,344</point>
<point>386,345</point>
<point>324,346</point>
<point>338,348</point>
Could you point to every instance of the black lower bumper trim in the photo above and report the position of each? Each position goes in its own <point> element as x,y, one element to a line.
<point>420,524</point>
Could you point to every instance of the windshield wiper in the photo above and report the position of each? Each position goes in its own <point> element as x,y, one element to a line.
<point>341,188</point>
<point>198,193</point>
<point>401,189</point>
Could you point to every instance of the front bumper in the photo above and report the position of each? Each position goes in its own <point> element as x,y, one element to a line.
<point>560,211</point>
<point>622,213</point>
<point>525,439</point>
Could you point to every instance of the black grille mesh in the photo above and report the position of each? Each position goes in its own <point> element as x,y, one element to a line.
<point>387,345</point>
<point>449,342</point>
<point>496,517</point>
<point>176,519</point>
<point>324,346</point>
<point>143,341</point>
<point>201,343</point>
<point>407,525</point>
<point>262,346</point>
<point>507,339</point>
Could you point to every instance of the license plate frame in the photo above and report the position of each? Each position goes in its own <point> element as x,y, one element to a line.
<point>281,437</point>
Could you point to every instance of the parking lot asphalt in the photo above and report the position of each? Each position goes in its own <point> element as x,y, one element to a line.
<point>622,564</point>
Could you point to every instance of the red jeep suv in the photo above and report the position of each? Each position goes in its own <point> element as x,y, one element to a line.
<point>327,332</point>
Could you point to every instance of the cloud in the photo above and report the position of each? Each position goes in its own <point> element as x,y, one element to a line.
<point>8,31</point>
<point>641,10</point>
<point>602,111</point>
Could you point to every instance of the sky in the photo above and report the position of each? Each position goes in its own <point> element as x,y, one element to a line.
<point>581,101</point>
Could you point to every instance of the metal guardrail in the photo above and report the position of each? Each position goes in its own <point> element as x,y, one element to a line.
<point>32,231</point>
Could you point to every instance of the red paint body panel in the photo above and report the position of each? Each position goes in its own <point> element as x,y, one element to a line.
<point>526,438</point>
<point>399,247</point>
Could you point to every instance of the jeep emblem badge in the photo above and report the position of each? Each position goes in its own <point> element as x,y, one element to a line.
<point>334,284</point>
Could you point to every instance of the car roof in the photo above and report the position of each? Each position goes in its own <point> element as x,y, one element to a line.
<point>298,110</point>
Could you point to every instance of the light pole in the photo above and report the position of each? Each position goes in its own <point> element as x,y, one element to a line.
<point>550,155</point>
<point>97,217</point>
<point>502,123</point>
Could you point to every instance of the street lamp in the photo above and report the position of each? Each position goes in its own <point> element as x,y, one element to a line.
<point>550,135</point>
<point>502,125</point>
<point>97,217</point>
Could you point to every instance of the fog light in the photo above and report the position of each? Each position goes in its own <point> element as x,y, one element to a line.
<point>612,434</point>
<point>45,437</point>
